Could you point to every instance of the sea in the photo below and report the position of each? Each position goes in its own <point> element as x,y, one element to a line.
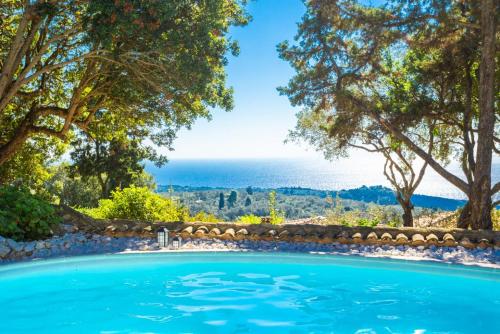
<point>306,173</point>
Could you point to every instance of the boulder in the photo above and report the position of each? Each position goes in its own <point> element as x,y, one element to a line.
<point>4,250</point>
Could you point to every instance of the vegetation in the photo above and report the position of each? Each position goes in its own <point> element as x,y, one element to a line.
<point>249,219</point>
<point>418,76</point>
<point>107,68</point>
<point>24,216</point>
<point>114,164</point>
<point>276,216</point>
<point>138,203</point>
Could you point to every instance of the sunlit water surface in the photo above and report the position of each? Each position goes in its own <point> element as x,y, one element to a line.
<point>246,293</point>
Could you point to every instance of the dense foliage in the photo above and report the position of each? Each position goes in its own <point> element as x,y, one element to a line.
<point>24,216</point>
<point>138,203</point>
<point>409,76</point>
<point>108,67</point>
<point>117,163</point>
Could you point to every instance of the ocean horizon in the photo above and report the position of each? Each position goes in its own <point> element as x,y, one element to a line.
<point>306,173</point>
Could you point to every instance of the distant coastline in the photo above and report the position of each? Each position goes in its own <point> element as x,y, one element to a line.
<point>369,194</point>
<point>304,173</point>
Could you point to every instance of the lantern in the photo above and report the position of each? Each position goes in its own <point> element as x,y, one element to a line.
<point>176,242</point>
<point>162,234</point>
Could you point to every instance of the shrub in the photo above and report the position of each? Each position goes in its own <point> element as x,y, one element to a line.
<point>138,203</point>
<point>249,219</point>
<point>203,217</point>
<point>24,216</point>
<point>277,216</point>
<point>367,222</point>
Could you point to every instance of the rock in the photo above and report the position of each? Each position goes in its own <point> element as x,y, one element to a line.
<point>432,239</point>
<point>16,247</point>
<point>29,247</point>
<point>283,234</point>
<point>401,239</point>
<point>449,240</point>
<point>214,232</point>
<point>484,243</point>
<point>242,231</point>
<point>417,239</point>
<point>386,237</point>
<point>229,233</point>
<point>372,237</point>
<point>466,243</point>
<point>4,250</point>
<point>357,237</point>
<point>40,245</point>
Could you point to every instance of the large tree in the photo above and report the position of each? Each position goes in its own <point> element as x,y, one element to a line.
<point>121,64</point>
<point>335,136</point>
<point>404,65</point>
<point>117,163</point>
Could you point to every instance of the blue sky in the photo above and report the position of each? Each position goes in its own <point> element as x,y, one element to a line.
<point>260,121</point>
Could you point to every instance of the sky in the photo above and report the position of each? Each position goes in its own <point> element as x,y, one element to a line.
<point>261,118</point>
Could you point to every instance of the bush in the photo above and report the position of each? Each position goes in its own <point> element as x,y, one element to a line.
<point>277,216</point>
<point>138,203</point>
<point>24,216</point>
<point>249,219</point>
<point>204,217</point>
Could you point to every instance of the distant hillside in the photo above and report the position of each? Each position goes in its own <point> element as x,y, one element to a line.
<point>379,195</point>
<point>373,194</point>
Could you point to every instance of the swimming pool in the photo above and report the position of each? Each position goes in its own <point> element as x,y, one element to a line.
<point>246,293</point>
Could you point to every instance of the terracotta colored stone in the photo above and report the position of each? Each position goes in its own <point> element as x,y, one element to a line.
<point>465,242</point>
<point>202,227</point>
<point>372,237</point>
<point>417,239</point>
<point>432,239</point>
<point>284,234</point>
<point>229,233</point>
<point>343,237</point>
<point>386,238</point>
<point>357,238</point>
<point>401,239</point>
<point>449,240</point>
<point>214,232</point>
<point>242,231</point>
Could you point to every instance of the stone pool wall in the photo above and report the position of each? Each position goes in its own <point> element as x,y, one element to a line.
<point>296,233</point>
<point>80,235</point>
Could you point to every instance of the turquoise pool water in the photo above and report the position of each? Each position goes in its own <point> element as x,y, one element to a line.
<point>246,293</point>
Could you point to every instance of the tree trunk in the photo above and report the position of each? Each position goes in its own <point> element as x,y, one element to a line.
<point>407,216</point>
<point>464,218</point>
<point>481,188</point>
<point>407,207</point>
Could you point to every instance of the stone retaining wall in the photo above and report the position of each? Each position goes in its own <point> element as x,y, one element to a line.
<point>289,233</point>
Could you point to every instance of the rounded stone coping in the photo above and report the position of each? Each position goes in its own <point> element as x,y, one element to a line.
<point>382,235</point>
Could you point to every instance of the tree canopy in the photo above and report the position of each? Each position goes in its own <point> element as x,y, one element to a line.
<point>401,67</point>
<point>109,66</point>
